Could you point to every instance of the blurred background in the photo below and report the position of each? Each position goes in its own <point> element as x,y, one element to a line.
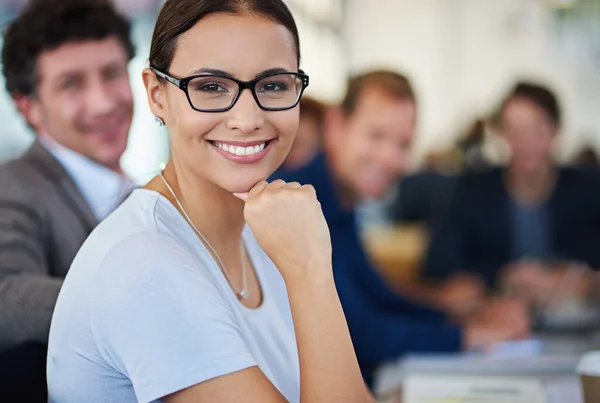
<point>461,55</point>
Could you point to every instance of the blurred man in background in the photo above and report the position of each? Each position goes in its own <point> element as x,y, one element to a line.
<point>367,146</point>
<point>66,67</point>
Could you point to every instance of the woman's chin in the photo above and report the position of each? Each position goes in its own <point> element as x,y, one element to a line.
<point>243,187</point>
<point>242,181</point>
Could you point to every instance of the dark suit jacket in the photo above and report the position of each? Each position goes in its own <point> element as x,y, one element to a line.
<point>476,234</point>
<point>43,222</point>
<point>422,197</point>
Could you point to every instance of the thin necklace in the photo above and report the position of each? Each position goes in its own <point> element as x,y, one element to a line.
<point>241,294</point>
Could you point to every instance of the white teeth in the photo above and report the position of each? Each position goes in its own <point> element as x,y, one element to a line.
<point>241,150</point>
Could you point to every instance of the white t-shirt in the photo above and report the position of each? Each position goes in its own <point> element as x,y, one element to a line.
<point>145,311</point>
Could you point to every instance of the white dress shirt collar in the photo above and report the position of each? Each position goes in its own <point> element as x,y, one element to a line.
<point>102,188</point>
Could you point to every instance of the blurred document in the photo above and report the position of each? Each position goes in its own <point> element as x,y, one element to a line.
<point>463,389</point>
<point>471,389</point>
<point>522,376</point>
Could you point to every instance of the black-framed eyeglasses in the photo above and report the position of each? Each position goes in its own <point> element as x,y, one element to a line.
<point>216,93</point>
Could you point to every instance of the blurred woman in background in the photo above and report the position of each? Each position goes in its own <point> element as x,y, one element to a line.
<point>523,226</point>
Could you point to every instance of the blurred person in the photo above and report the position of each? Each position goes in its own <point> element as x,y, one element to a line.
<point>210,284</point>
<point>588,157</point>
<point>66,67</point>
<point>367,143</point>
<point>310,131</point>
<point>521,226</point>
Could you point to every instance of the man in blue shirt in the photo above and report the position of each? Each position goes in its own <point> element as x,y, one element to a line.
<point>367,145</point>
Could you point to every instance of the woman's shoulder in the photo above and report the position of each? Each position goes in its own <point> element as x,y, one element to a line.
<point>139,235</point>
<point>148,259</point>
<point>145,215</point>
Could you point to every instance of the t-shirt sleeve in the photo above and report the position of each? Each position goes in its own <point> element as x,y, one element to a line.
<point>159,319</point>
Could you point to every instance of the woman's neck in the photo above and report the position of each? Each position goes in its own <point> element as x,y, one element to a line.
<point>216,213</point>
<point>533,188</point>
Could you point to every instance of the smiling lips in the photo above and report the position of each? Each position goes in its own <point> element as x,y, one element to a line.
<point>243,152</point>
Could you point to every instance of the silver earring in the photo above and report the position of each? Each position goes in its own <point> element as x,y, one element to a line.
<point>158,121</point>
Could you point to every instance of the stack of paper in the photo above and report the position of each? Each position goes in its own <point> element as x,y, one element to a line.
<point>480,379</point>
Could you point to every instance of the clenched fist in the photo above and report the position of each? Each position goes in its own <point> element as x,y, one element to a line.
<point>287,221</point>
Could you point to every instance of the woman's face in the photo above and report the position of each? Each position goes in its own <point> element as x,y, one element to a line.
<point>244,47</point>
<point>530,134</point>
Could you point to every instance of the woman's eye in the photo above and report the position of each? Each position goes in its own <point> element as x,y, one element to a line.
<point>210,88</point>
<point>273,87</point>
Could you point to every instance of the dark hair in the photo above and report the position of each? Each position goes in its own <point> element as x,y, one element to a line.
<point>392,83</point>
<point>45,25</point>
<point>179,16</point>
<point>537,94</point>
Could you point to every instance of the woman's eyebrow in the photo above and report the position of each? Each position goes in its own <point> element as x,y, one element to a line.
<point>218,72</point>
<point>208,70</point>
<point>275,70</point>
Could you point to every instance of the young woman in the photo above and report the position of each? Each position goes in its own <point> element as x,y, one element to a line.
<point>174,297</point>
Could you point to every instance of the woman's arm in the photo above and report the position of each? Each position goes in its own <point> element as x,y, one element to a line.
<point>328,368</point>
<point>247,386</point>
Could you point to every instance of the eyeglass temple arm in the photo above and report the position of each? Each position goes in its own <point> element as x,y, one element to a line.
<point>172,80</point>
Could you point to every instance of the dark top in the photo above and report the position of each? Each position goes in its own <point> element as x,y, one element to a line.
<point>477,233</point>
<point>383,324</point>
<point>422,197</point>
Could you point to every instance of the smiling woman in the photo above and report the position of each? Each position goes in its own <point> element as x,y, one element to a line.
<point>225,289</point>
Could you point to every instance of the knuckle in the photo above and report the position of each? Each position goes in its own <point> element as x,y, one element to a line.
<point>308,189</point>
<point>277,183</point>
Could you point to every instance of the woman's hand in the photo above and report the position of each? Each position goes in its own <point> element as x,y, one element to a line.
<point>287,221</point>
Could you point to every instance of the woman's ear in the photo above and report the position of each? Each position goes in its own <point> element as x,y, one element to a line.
<point>155,93</point>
